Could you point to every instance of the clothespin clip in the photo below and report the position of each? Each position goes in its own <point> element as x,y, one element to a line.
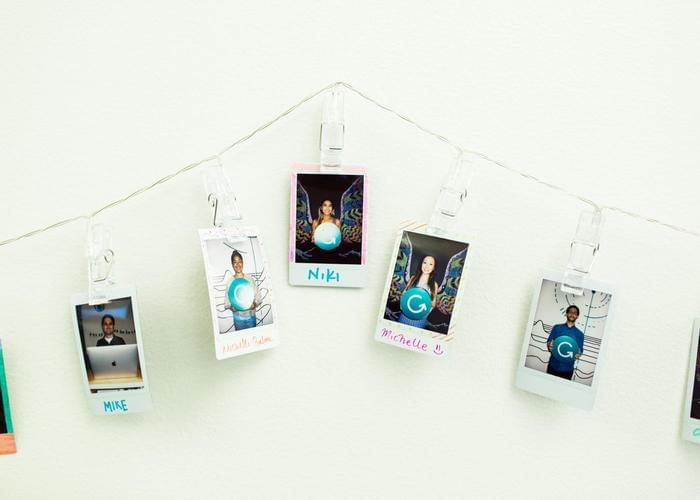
<point>222,199</point>
<point>584,248</point>
<point>453,192</point>
<point>100,255</point>
<point>332,130</point>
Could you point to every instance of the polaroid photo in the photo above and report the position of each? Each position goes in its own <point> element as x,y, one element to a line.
<point>564,343</point>
<point>7,436</point>
<point>691,419</point>
<point>421,296</point>
<point>240,291</point>
<point>328,227</point>
<point>110,348</point>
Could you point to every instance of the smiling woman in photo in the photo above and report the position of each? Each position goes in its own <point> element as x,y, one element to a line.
<point>326,213</point>
<point>425,279</point>
<point>242,318</point>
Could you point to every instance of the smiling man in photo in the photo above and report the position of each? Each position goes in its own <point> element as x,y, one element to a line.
<point>108,337</point>
<point>563,365</point>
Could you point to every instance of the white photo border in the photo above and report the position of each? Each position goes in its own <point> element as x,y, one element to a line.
<point>691,426</point>
<point>321,274</point>
<point>237,343</point>
<point>567,391</point>
<point>409,337</point>
<point>114,402</point>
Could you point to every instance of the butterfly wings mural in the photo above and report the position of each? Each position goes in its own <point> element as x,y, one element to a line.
<point>400,278</point>
<point>304,220</point>
<point>447,291</point>
<point>350,214</point>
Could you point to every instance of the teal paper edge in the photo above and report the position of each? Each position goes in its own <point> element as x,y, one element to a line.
<point>5,395</point>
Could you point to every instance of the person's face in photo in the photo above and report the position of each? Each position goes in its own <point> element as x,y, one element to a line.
<point>428,265</point>
<point>107,326</point>
<point>237,263</point>
<point>327,207</point>
<point>571,315</point>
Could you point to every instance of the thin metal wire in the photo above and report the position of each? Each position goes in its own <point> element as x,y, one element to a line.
<point>459,149</point>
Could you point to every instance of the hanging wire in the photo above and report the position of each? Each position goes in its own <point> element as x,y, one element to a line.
<point>386,108</point>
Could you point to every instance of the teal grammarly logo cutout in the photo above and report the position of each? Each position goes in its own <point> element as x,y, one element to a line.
<point>696,432</point>
<point>565,348</point>
<point>241,294</point>
<point>416,303</point>
<point>327,236</point>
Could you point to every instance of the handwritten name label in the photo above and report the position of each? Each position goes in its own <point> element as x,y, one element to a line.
<point>411,342</point>
<point>118,406</point>
<point>400,338</point>
<point>328,275</point>
<point>247,342</point>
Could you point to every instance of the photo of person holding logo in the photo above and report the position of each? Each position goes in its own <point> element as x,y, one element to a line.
<point>569,345</point>
<point>424,280</point>
<point>424,284</point>
<point>241,296</point>
<point>328,216</point>
<point>567,350</point>
<point>239,285</point>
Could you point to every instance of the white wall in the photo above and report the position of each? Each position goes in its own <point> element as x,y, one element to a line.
<point>101,98</point>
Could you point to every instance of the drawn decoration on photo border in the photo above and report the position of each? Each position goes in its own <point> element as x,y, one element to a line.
<point>691,415</point>
<point>581,389</point>
<point>352,214</point>
<point>229,228</point>
<point>453,192</point>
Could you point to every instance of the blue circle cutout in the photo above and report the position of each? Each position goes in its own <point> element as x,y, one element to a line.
<point>416,303</point>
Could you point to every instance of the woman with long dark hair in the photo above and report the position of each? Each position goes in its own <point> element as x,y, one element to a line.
<point>425,279</point>
<point>326,213</point>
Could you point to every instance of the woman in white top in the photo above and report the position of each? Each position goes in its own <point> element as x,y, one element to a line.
<point>326,213</point>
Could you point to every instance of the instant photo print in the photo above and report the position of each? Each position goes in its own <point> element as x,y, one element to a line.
<point>565,339</point>
<point>691,420</point>
<point>240,291</point>
<point>328,227</point>
<point>7,436</point>
<point>110,349</point>
<point>421,296</point>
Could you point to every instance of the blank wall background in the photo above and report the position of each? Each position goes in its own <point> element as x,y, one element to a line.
<point>99,99</point>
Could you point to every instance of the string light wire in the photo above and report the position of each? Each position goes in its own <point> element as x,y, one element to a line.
<point>401,116</point>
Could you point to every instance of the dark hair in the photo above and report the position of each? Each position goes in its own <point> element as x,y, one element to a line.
<point>236,253</point>
<point>413,282</point>
<point>320,212</point>
<point>578,312</point>
<point>107,316</point>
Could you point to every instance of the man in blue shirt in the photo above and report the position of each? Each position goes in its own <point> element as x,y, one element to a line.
<point>564,367</point>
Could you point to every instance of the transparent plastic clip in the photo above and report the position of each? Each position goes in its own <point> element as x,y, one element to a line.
<point>222,199</point>
<point>332,130</point>
<point>100,257</point>
<point>453,192</point>
<point>584,248</point>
